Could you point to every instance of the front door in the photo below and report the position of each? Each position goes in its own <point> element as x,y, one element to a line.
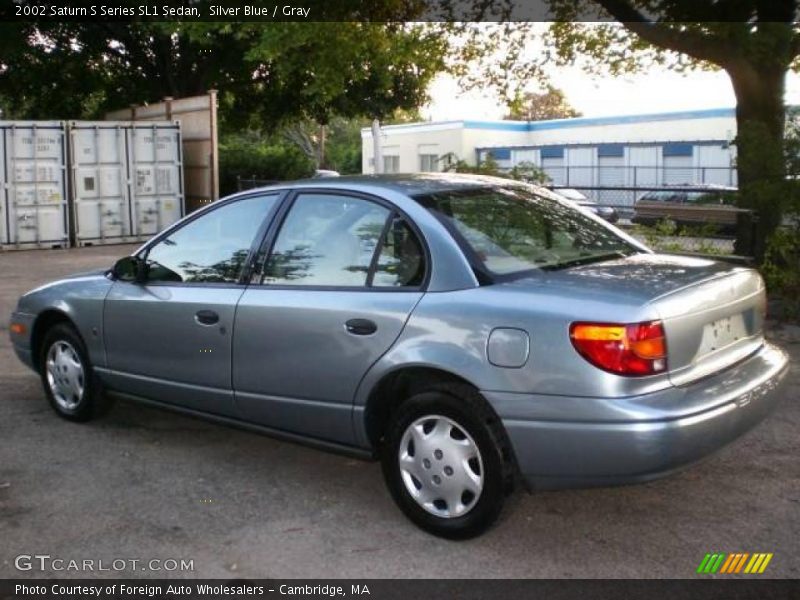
<point>343,275</point>
<point>170,337</point>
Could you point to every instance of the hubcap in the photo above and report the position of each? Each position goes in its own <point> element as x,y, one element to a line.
<point>65,375</point>
<point>441,466</point>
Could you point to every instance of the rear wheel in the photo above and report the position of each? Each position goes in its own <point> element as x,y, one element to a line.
<point>69,382</point>
<point>444,463</point>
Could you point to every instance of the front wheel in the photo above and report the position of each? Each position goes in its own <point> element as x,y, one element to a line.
<point>444,462</point>
<point>69,382</point>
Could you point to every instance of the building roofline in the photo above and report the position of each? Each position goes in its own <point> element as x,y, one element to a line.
<point>525,126</point>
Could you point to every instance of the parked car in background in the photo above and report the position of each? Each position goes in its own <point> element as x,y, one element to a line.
<point>609,213</point>
<point>467,331</point>
<point>689,206</point>
<point>322,173</point>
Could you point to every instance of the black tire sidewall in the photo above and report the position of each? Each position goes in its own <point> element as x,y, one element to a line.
<point>85,409</point>
<point>490,502</point>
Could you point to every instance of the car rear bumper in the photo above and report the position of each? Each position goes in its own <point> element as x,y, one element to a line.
<point>576,442</point>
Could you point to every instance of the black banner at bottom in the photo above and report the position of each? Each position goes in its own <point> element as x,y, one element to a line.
<point>422,589</point>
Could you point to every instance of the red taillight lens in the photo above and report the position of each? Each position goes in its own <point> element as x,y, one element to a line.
<point>625,349</point>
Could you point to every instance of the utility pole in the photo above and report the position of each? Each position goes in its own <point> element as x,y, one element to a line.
<point>377,150</point>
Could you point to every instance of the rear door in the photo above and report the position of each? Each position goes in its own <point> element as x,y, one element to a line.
<point>341,278</point>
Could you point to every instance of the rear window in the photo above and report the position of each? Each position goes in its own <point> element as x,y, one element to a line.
<point>506,231</point>
<point>711,197</point>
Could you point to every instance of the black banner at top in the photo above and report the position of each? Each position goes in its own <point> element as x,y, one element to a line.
<point>381,10</point>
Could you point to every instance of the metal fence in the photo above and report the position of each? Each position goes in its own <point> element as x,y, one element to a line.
<point>623,198</point>
<point>635,180</point>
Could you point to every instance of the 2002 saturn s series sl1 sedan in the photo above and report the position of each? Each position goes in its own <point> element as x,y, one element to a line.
<point>465,330</point>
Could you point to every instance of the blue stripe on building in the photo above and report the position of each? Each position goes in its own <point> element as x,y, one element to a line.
<point>552,152</point>
<point>610,150</point>
<point>677,149</point>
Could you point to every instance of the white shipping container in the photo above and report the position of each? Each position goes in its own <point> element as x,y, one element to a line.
<point>33,193</point>
<point>157,194</point>
<point>126,178</point>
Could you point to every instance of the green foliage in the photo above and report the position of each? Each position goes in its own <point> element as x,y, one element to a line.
<point>524,171</point>
<point>666,236</point>
<point>317,70</point>
<point>268,74</point>
<point>533,106</point>
<point>250,155</point>
<point>343,153</point>
<point>781,267</point>
<point>527,171</point>
<point>339,149</point>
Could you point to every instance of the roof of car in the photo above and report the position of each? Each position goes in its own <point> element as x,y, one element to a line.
<point>409,184</point>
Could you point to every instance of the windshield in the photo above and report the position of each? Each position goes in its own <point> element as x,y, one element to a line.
<point>510,230</point>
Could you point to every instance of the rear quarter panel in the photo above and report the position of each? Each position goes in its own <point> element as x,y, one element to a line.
<point>450,331</point>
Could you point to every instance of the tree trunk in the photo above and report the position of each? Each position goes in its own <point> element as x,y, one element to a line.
<point>760,122</point>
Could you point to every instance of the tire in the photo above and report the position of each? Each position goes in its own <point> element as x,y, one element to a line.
<point>447,461</point>
<point>69,382</point>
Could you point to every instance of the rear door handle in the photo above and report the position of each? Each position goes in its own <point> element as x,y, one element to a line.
<point>360,327</point>
<point>206,317</point>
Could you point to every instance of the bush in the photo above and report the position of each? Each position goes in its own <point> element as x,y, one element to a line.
<point>781,266</point>
<point>781,270</point>
<point>524,171</point>
<point>250,156</point>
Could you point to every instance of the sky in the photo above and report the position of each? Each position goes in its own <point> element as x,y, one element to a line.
<point>658,90</point>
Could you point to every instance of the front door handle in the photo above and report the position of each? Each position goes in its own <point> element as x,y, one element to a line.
<point>361,327</point>
<point>206,317</point>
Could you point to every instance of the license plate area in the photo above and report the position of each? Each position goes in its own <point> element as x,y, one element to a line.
<point>721,333</point>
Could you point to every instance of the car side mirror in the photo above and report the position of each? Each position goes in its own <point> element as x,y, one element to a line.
<point>130,268</point>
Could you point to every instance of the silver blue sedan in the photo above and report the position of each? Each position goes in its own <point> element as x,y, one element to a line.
<point>472,333</point>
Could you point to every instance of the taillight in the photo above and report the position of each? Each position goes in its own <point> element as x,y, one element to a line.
<point>625,349</point>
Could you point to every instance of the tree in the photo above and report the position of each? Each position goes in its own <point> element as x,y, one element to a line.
<point>268,74</point>
<point>82,69</point>
<point>541,106</point>
<point>755,41</point>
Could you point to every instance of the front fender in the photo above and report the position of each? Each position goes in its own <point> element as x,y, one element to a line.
<point>79,299</point>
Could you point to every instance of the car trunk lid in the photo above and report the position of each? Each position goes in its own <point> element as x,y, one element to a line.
<point>712,311</point>
<point>712,324</point>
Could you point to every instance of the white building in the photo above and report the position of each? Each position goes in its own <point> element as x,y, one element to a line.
<point>640,151</point>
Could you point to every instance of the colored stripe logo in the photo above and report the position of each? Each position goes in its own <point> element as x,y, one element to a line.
<point>736,562</point>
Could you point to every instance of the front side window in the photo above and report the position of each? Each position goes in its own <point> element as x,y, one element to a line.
<point>212,248</point>
<point>511,230</point>
<point>343,241</point>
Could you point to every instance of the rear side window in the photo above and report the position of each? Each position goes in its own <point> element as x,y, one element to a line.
<point>401,262</point>
<point>334,240</point>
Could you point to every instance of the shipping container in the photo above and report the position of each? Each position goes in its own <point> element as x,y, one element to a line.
<point>33,185</point>
<point>126,180</point>
<point>197,116</point>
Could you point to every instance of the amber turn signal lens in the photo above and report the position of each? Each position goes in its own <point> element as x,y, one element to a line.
<point>18,328</point>
<point>624,349</point>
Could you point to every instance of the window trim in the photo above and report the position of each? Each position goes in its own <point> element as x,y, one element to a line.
<point>258,238</point>
<point>268,243</point>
